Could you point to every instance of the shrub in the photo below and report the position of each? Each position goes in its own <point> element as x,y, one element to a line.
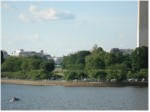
<point>97,74</point>
<point>39,74</point>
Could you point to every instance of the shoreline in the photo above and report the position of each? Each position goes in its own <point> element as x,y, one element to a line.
<point>72,84</point>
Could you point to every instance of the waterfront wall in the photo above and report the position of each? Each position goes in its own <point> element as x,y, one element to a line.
<point>74,84</point>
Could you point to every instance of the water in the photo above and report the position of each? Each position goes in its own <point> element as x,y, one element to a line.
<point>73,98</point>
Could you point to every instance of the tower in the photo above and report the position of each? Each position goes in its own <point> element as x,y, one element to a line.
<point>142,31</point>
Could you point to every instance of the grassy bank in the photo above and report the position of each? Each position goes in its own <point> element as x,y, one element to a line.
<point>74,84</point>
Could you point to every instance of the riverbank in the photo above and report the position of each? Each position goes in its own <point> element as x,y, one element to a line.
<point>73,84</point>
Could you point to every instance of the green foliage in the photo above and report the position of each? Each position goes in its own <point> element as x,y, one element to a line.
<point>7,74</point>
<point>76,74</point>
<point>110,59</point>
<point>81,74</point>
<point>143,73</point>
<point>27,68</point>
<point>122,66</point>
<point>33,64</point>
<point>20,75</point>
<point>47,65</point>
<point>94,62</point>
<point>139,58</point>
<point>39,74</point>
<point>97,74</point>
<point>119,75</point>
<point>116,63</point>
<point>12,64</point>
<point>129,75</point>
<point>75,61</point>
<point>70,75</point>
<point>109,74</point>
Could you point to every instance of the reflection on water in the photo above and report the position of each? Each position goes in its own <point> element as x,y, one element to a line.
<point>73,98</point>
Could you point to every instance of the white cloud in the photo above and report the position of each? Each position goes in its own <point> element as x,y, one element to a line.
<point>7,7</point>
<point>24,17</point>
<point>32,9</point>
<point>35,13</point>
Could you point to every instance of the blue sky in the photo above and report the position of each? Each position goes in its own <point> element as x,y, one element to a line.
<point>60,28</point>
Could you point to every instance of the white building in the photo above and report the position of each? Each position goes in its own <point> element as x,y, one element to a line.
<point>21,52</point>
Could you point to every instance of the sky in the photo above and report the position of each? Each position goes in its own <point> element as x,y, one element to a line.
<point>63,27</point>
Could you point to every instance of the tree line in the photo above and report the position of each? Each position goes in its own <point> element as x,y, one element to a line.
<point>101,65</point>
<point>34,68</point>
<point>95,65</point>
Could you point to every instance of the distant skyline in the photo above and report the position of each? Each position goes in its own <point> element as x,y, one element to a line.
<point>63,27</point>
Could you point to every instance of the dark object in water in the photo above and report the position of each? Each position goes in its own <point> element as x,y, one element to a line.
<point>15,99</point>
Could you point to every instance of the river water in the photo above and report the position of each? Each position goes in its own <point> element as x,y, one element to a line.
<point>73,98</point>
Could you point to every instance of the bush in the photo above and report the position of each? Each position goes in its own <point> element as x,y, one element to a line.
<point>143,73</point>
<point>27,68</point>
<point>7,74</point>
<point>39,74</point>
<point>20,75</point>
<point>81,74</point>
<point>12,64</point>
<point>119,75</point>
<point>47,65</point>
<point>70,75</point>
<point>97,74</point>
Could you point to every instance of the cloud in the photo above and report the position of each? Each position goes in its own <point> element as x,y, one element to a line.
<point>35,13</point>
<point>24,17</point>
<point>32,9</point>
<point>7,7</point>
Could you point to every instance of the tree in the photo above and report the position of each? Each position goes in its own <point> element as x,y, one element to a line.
<point>129,75</point>
<point>139,58</point>
<point>98,63</point>
<point>12,64</point>
<point>70,75</point>
<point>121,75</point>
<point>25,64</point>
<point>27,68</point>
<point>94,62</point>
<point>97,74</point>
<point>101,75</point>
<point>82,54</point>
<point>143,73</point>
<point>110,59</point>
<point>75,61</point>
<point>81,74</point>
<point>109,74</point>
<point>47,65</point>
<point>34,64</point>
